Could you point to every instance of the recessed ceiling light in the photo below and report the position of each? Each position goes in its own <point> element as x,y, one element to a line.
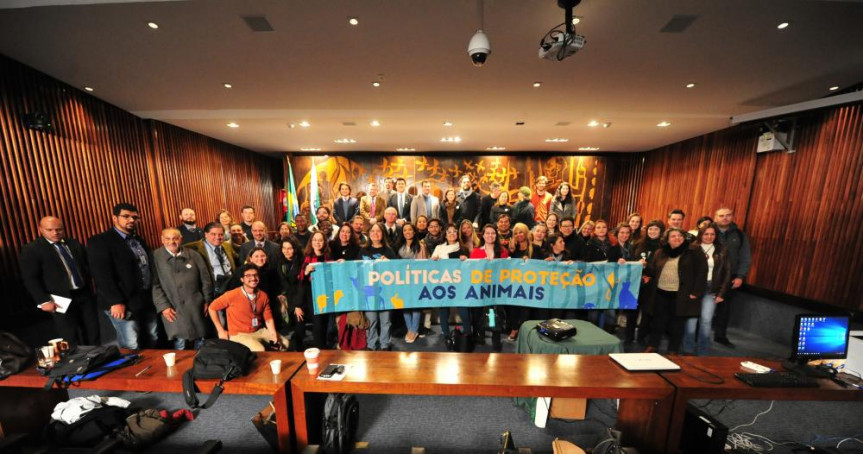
<point>690,85</point>
<point>663,124</point>
<point>376,84</point>
<point>227,85</point>
<point>374,123</point>
<point>153,25</point>
<point>406,149</point>
<point>495,148</point>
<point>233,125</point>
<point>783,25</point>
<point>593,123</point>
<point>304,124</point>
<point>537,84</point>
<point>588,148</point>
<point>576,20</point>
<point>310,149</point>
<point>353,21</point>
<point>447,123</point>
<point>833,88</point>
<point>455,139</point>
<point>607,124</point>
<point>557,140</point>
<point>91,88</point>
<point>345,141</point>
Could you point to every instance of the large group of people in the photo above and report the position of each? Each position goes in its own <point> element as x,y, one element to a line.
<point>244,282</point>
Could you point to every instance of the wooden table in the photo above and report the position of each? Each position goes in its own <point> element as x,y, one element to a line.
<point>689,387</point>
<point>643,414</point>
<point>21,387</point>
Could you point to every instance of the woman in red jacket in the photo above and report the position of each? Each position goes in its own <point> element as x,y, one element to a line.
<point>490,249</point>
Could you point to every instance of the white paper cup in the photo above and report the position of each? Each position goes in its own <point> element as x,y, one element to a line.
<point>170,359</point>
<point>312,358</point>
<point>276,365</point>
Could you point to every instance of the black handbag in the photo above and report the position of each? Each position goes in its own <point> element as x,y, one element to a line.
<point>15,355</point>
<point>556,329</point>
<point>340,421</point>
<point>217,358</point>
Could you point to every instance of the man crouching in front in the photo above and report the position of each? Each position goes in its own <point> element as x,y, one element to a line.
<point>250,321</point>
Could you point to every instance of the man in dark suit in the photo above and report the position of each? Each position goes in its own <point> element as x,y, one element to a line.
<point>120,263</point>
<point>189,229</point>
<point>392,231</point>
<point>56,266</point>
<point>401,201</point>
<point>469,201</point>
<point>248,215</point>
<point>259,239</point>
<point>345,207</point>
<point>486,203</point>
<point>219,255</point>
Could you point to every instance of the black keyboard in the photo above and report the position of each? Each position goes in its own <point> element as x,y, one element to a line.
<point>777,380</point>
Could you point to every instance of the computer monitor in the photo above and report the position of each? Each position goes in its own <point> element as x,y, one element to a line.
<point>818,336</point>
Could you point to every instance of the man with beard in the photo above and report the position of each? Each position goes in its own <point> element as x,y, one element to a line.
<point>189,230</point>
<point>469,201</point>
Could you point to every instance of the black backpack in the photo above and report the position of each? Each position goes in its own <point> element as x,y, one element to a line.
<point>460,342</point>
<point>217,358</point>
<point>92,429</point>
<point>341,416</point>
<point>78,362</point>
<point>15,355</point>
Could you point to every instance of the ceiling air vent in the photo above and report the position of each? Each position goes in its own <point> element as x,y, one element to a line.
<point>562,123</point>
<point>348,123</point>
<point>678,23</point>
<point>258,23</point>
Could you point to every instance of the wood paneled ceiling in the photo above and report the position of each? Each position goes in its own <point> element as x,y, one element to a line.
<point>314,66</point>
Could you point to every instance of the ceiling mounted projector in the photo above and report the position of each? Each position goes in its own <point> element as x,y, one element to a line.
<point>559,43</point>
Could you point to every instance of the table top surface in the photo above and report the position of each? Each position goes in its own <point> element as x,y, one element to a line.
<point>693,379</point>
<point>161,378</point>
<point>492,374</point>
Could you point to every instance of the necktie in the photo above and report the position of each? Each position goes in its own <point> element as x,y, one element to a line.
<point>220,256</point>
<point>259,244</point>
<point>428,208</point>
<point>345,209</point>
<point>373,206</point>
<point>401,204</point>
<point>69,262</point>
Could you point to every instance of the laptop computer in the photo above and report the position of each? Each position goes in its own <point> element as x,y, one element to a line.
<point>639,362</point>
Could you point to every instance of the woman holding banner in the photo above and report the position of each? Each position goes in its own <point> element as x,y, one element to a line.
<point>452,248</point>
<point>411,248</point>
<point>644,249</point>
<point>317,251</point>
<point>491,249</point>
<point>538,238</point>
<point>551,223</point>
<point>378,336</point>
<point>467,236</point>
<point>520,248</point>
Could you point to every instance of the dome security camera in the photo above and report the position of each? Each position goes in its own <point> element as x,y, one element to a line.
<point>479,48</point>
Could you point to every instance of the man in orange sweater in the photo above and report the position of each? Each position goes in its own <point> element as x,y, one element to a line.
<point>250,321</point>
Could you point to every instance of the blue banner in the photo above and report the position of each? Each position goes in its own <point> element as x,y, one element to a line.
<point>417,284</point>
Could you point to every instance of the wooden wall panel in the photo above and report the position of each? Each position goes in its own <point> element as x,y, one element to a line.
<point>625,175</point>
<point>98,155</point>
<point>802,211</point>
<point>807,209</point>
<point>699,175</point>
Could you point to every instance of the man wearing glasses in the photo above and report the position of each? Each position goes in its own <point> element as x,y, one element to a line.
<point>120,264</point>
<point>250,320</point>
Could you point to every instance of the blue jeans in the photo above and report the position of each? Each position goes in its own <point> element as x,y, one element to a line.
<point>182,344</point>
<point>702,347</point>
<point>378,321</point>
<point>129,332</point>
<point>463,312</point>
<point>412,320</point>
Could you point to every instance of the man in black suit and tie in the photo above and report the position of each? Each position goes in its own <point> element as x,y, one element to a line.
<point>345,207</point>
<point>56,266</point>
<point>259,239</point>
<point>189,230</point>
<point>401,201</point>
<point>120,263</point>
<point>392,230</point>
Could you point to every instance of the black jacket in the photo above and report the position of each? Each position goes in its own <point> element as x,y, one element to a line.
<point>116,274</point>
<point>692,273</point>
<point>190,236</point>
<point>524,213</point>
<point>470,206</point>
<point>43,273</point>
<point>274,251</point>
<point>574,245</point>
<point>595,251</point>
<point>485,206</point>
<point>405,213</point>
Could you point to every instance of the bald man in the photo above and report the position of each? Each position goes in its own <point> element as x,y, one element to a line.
<point>260,239</point>
<point>54,266</point>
